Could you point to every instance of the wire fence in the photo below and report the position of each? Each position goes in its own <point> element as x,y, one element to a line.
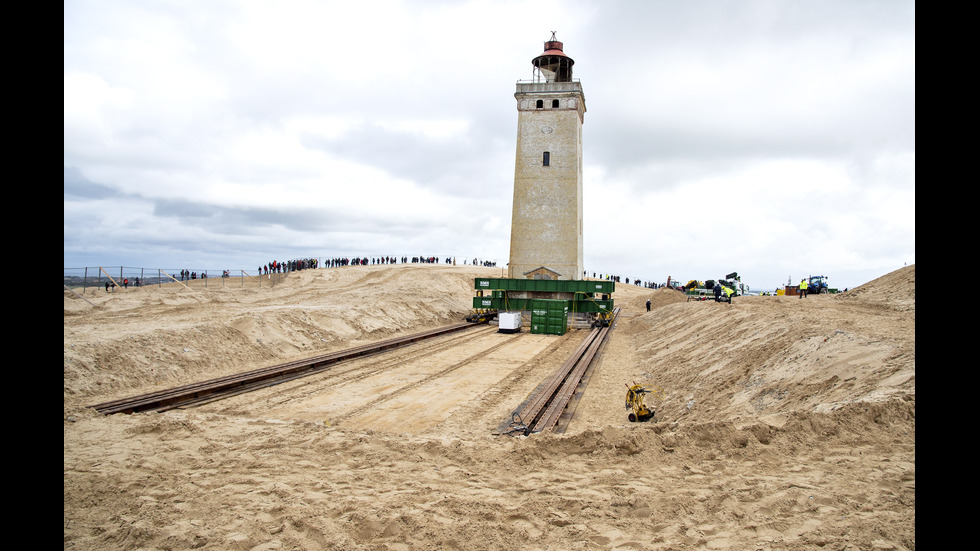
<point>110,278</point>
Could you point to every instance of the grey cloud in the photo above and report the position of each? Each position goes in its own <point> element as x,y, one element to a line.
<point>455,167</point>
<point>246,221</point>
<point>78,187</point>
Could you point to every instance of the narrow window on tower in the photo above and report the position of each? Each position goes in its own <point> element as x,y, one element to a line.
<point>539,104</point>
<point>554,104</point>
<point>546,161</point>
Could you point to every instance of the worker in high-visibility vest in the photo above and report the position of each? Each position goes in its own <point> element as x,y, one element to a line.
<point>803,288</point>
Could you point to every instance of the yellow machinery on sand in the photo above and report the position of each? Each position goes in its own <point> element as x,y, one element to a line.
<point>481,316</point>
<point>603,319</point>
<point>634,402</point>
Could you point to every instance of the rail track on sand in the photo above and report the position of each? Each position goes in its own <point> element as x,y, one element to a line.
<point>545,409</point>
<point>231,385</point>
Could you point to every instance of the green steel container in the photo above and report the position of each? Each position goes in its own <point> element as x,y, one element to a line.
<point>549,317</point>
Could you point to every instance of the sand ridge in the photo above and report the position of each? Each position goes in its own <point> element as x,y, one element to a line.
<point>783,423</point>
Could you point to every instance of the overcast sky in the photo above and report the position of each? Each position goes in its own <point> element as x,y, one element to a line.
<point>772,138</point>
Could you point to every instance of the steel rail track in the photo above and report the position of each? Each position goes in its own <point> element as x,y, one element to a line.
<point>222,387</point>
<point>543,410</point>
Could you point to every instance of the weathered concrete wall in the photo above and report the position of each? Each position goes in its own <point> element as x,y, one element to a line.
<point>546,226</point>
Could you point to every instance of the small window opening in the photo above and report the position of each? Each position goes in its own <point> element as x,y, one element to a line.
<point>540,104</point>
<point>546,161</point>
<point>554,104</point>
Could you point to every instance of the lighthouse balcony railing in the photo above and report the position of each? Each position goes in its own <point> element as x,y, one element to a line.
<point>542,86</point>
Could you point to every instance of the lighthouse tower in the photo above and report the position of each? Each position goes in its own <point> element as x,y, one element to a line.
<point>546,230</point>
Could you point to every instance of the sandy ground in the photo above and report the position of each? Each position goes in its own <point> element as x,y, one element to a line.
<point>782,423</point>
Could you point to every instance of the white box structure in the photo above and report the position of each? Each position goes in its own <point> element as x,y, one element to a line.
<point>509,322</point>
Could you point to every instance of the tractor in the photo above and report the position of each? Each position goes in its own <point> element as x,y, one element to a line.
<point>817,285</point>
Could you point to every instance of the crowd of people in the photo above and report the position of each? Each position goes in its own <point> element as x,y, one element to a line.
<point>619,279</point>
<point>277,266</point>
<point>186,275</point>
<point>285,266</point>
<point>280,266</point>
<point>110,285</point>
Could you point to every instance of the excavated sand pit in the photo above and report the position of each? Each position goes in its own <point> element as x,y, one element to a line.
<point>784,423</point>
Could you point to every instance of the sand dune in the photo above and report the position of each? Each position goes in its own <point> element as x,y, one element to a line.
<point>782,423</point>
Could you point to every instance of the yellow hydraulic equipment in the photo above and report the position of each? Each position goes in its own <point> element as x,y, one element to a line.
<point>634,403</point>
<point>603,319</point>
<point>481,316</point>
